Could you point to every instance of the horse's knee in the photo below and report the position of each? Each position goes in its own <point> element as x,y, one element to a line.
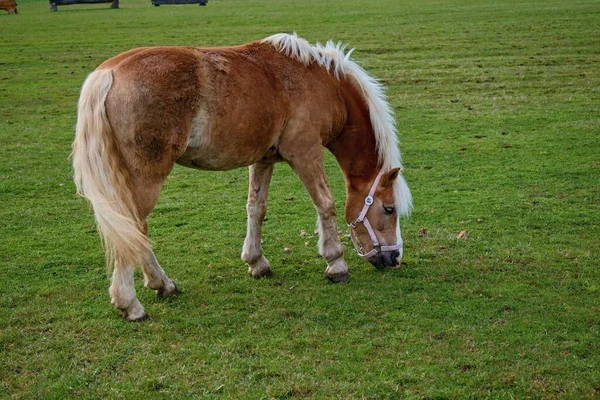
<point>256,210</point>
<point>327,210</point>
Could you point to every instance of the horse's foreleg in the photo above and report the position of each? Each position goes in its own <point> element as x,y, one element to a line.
<point>312,175</point>
<point>258,190</point>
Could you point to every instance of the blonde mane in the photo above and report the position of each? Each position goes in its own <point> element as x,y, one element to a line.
<point>333,57</point>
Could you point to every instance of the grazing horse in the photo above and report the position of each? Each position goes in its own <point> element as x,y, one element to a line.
<point>9,5</point>
<point>278,99</point>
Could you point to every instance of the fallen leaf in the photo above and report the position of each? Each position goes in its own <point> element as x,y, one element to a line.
<point>424,232</point>
<point>461,235</point>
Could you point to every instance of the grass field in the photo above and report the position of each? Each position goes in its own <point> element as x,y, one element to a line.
<point>497,104</point>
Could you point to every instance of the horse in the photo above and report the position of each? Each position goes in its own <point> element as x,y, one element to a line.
<point>279,99</point>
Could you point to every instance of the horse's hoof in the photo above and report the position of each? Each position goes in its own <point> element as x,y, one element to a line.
<point>261,269</point>
<point>337,271</point>
<point>260,273</point>
<point>135,318</point>
<point>338,278</point>
<point>167,292</point>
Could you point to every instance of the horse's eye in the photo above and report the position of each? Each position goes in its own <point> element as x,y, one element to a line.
<point>389,210</point>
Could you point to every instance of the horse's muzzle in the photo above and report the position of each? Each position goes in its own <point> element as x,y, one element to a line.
<point>385,259</point>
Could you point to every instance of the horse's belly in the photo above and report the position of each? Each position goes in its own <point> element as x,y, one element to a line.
<point>216,158</point>
<point>212,160</point>
<point>210,148</point>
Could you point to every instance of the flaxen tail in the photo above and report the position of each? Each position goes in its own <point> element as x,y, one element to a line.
<point>101,177</point>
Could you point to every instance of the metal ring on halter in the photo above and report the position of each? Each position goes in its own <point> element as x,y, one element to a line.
<point>362,217</point>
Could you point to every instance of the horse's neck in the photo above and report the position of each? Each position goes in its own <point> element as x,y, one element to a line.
<point>355,148</point>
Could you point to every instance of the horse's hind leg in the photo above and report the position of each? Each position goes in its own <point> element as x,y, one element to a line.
<point>259,179</point>
<point>122,288</point>
<point>122,292</point>
<point>155,277</point>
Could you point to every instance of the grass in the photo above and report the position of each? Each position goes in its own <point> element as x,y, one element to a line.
<point>497,104</point>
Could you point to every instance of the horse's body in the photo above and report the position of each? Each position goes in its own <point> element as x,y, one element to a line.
<point>221,108</point>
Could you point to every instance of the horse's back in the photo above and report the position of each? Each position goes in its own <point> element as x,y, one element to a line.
<point>213,108</point>
<point>243,108</point>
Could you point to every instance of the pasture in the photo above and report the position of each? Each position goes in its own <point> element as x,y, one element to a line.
<point>497,104</point>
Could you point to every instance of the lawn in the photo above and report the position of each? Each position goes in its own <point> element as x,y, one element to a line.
<point>497,104</point>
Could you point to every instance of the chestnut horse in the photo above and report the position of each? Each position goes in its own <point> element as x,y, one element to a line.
<point>278,99</point>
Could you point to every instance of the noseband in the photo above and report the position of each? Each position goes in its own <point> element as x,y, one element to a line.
<point>362,218</point>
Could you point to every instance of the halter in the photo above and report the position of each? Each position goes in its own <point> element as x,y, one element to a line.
<point>362,217</point>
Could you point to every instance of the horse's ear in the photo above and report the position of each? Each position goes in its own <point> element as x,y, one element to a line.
<point>388,179</point>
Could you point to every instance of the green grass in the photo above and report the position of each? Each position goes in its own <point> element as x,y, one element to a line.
<point>497,104</point>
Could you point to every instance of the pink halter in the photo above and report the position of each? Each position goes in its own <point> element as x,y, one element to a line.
<point>362,217</point>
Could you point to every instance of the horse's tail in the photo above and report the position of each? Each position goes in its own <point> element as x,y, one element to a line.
<point>101,177</point>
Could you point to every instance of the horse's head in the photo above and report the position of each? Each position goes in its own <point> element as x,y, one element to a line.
<point>372,216</point>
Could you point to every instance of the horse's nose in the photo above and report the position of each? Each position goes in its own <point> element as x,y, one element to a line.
<point>391,258</point>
